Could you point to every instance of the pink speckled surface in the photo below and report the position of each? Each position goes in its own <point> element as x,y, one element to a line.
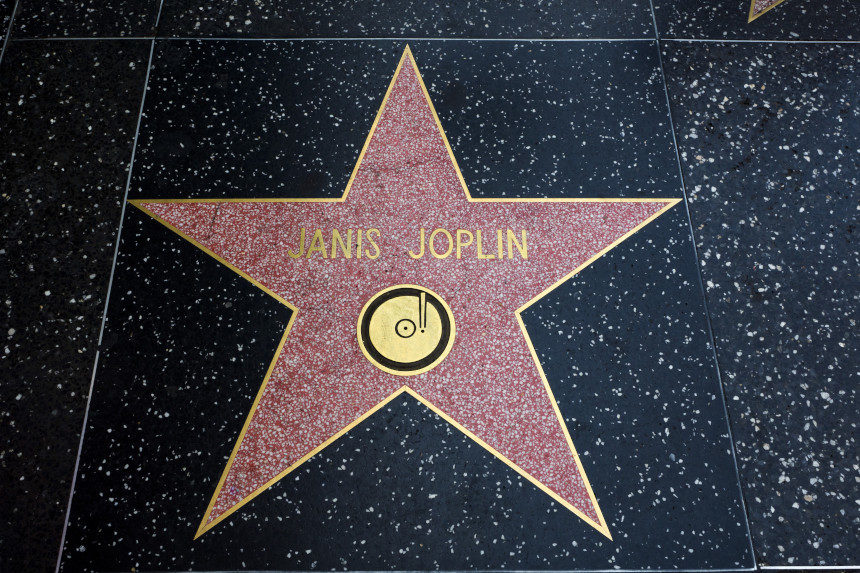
<point>322,382</point>
<point>760,6</point>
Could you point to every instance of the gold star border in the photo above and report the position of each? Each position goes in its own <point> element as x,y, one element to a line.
<point>407,58</point>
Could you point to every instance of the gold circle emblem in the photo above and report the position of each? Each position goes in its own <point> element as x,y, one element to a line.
<point>405,330</point>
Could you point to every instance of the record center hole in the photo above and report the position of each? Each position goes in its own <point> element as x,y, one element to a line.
<point>405,328</point>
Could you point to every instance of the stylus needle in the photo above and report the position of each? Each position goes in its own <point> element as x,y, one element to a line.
<point>422,311</point>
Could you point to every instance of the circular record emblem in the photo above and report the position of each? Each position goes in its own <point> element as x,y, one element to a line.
<point>405,330</point>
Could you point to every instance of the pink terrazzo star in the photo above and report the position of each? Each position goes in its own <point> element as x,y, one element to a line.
<point>320,384</point>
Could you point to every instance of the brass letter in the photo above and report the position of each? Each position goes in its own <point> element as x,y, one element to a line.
<point>522,248</point>
<point>433,246</point>
<point>371,232</point>
<point>460,244</point>
<point>317,245</point>
<point>301,244</point>
<point>481,254</point>
<point>421,252</point>
<point>337,239</point>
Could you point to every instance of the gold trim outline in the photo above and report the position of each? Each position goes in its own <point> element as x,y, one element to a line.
<point>601,525</point>
<point>752,15</point>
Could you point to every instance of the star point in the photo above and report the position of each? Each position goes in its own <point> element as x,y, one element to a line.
<point>759,7</point>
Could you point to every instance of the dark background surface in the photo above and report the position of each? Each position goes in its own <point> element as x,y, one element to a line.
<point>70,112</point>
<point>751,161</point>
<point>525,118</point>
<point>771,142</point>
<point>404,490</point>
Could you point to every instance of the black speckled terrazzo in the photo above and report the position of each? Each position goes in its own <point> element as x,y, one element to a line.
<point>187,342</point>
<point>58,18</point>
<point>296,121</point>
<point>769,136</point>
<point>405,490</point>
<point>69,113</point>
<point>790,20</point>
<point>410,19</point>
<point>6,9</point>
